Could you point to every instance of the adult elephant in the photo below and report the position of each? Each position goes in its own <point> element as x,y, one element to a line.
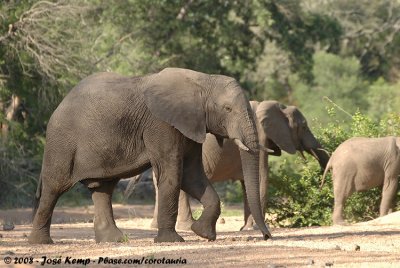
<point>110,127</point>
<point>279,127</point>
<point>360,164</point>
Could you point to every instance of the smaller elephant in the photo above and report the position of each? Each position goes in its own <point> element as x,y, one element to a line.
<point>360,164</point>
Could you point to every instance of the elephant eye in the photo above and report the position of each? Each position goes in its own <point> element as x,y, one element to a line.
<point>228,109</point>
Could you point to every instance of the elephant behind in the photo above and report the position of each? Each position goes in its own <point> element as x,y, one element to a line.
<point>279,128</point>
<point>111,127</point>
<point>360,164</point>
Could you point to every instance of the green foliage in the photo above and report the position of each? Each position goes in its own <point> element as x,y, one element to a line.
<point>230,192</point>
<point>297,32</point>
<point>370,33</point>
<point>383,98</point>
<point>43,52</point>
<point>196,35</point>
<point>296,198</point>
<point>197,213</point>
<point>336,78</point>
<point>124,238</point>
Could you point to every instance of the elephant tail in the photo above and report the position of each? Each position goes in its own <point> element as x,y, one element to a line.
<point>37,197</point>
<point>131,185</point>
<point>328,167</point>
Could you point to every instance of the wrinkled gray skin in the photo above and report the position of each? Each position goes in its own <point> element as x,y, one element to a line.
<point>111,127</point>
<point>360,164</point>
<point>279,128</point>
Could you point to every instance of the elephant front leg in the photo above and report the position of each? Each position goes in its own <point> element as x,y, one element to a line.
<point>198,186</point>
<point>203,191</point>
<point>104,225</point>
<point>168,194</point>
<point>185,219</point>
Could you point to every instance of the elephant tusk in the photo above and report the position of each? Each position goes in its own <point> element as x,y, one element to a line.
<point>241,145</point>
<point>314,154</point>
<point>262,147</point>
<point>323,150</point>
<point>302,155</point>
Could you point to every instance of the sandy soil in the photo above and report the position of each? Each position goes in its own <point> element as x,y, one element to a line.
<point>370,244</point>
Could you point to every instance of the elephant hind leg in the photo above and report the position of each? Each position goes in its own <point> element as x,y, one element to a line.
<point>389,191</point>
<point>342,189</point>
<point>104,225</point>
<point>185,219</point>
<point>40,233</point>
<point>154,223</point>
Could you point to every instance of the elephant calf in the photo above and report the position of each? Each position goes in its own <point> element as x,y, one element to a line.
<point>360,164</point>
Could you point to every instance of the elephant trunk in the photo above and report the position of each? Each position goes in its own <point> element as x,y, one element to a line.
<point>314,148</point>
<point>248,134</point>
<point>321,155</point>
<point>250,165</point>
<point>263,181</point>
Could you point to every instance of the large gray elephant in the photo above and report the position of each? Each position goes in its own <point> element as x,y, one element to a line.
<point>279,127</point>
<point>360,164</point>
<point>110,127</point>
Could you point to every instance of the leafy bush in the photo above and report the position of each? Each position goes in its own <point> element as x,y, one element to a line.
<point>295,199</point>
<point>295,195</point>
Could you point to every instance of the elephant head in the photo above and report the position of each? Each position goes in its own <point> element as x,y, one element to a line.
<point>285,128</point>
<point>197,103</point>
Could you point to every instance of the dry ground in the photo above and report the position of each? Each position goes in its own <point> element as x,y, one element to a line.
<point>371,244</point>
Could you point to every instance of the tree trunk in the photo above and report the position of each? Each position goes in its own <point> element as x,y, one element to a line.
<point>10,115</point>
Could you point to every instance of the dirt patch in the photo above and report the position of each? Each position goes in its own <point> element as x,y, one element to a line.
<point>372,244</point>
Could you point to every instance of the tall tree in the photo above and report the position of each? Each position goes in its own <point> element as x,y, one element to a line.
<point>371,33</point>
<point>42,52</point>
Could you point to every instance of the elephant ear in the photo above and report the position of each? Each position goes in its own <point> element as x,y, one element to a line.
<point>296,123</point>
<point>174,97</point>
<point>254,106</point>
<point>276,125</point>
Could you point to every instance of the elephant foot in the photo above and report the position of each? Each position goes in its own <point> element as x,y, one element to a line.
<point>111,234</point>
<point>39,237</point>
<point>154,224</point>
<point>249,227</point>
<point>184,225</point>
<point>204,230</point>
<point>167,235</point>
<point>341,223</point>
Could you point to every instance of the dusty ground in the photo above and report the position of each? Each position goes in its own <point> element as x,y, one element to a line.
<point>371,244</point>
